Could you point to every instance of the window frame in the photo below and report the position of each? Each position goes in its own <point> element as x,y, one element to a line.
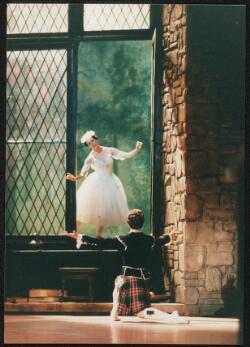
<point>70,42</point>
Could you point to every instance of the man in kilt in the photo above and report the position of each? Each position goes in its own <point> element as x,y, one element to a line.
<point>131,292</point>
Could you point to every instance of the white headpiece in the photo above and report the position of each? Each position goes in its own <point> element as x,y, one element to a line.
<point>87,136</point>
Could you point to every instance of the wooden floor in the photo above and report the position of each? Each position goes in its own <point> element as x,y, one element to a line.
<point>68,329</point>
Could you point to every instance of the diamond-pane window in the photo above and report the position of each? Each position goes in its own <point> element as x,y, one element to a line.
<point>98,17</point>
<point>37,18</point>
<point>36,142</point>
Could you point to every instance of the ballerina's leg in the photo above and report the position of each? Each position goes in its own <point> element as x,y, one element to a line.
<point>99,231</point>
<point>74,233</point>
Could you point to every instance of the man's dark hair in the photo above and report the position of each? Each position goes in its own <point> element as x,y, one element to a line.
<point>135,218</point>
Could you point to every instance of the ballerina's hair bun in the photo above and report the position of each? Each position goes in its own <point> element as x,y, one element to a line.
<point>87,136</point>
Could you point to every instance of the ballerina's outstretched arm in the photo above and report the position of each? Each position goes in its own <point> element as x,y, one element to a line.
<point>83,173</point>
<point>121,155</point>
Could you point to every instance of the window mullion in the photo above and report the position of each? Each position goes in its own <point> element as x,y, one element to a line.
<point>75,20</point>
<point>71,133</point>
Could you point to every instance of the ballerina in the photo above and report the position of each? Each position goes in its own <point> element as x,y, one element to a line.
<point>101,199</point>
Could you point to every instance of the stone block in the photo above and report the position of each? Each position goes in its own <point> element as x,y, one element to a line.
<point>192,310</point>
<point>210,301</point>
<point>170,213</point>
<point>178,11</point>
<point>194,257</point>
<point>176,265</point>
<point>223,236</point>
<point>168,193</point>
<point>211,247</point>
<point>183,64</point>
<point>170,263</point>
<point>173,143</point>
<point>166,15</point>
<point>182,112</point>
<point>172,169</point>
<point>202,185</point>
<point>183,209</point>
<point>213,279</point>
<point>180,227</point>
<point>172,57</point>
<point>177,199</point>
<point>167,180</point>
<point>196,164</point>
<point>177,83</point>
<point>190,232</point>
<point>179,92</point>
<point>219,258</point>
<point>181,258</point>
<point>225,247</point>
<point>205,233</point>
<point>169,158</point>
<point>180,294</point>
<point>191,275</point>
<point>166,168</point>
<point>230,226</point>
<point>178,278</point>
<point>176,255</point>
<point>218,226</point>
<point>194,206</point>
<point>192,296</point>
<point>212,200</point>
<point>168,112</point>
<point>178,129</point>
<point>194,283</point>
<point>183,163</point>
<point>201,274</point>
<point>182,184</point>
<point>181,142</point>
<point>218,214</point>
<point>208,310</point>
<point>178,162</point>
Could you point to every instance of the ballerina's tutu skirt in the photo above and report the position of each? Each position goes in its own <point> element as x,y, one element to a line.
<point>101,200</point>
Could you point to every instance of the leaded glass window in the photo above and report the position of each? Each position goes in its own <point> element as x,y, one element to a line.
<point>37,18</point>
<point>36,142</point>
<point>116,17</point>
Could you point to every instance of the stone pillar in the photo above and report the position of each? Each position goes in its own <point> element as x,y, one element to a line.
<point>203,112</point>
<point>174,137</point>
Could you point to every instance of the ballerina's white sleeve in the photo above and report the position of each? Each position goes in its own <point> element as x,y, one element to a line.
<point>121,155</point>
<point>86,166</point>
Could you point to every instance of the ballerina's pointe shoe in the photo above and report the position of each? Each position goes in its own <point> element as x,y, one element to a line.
<point>160,316</point>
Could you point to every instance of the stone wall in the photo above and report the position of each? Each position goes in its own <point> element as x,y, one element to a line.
<point>174,139</point>
<point>203,112</point>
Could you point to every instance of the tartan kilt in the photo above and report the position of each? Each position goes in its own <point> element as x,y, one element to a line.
<point>133,297</point>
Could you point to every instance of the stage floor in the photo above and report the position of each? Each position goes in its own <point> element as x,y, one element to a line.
<point>54,329</point>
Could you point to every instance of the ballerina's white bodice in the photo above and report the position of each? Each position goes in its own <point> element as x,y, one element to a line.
<point>102,163</point>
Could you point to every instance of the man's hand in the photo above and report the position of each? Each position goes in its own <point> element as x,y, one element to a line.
<point>173,235</point>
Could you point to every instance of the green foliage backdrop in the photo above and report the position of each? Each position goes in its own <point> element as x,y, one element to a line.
<point>114,93</point>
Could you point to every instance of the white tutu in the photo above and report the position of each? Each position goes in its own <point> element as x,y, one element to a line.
<point>101,199</point>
